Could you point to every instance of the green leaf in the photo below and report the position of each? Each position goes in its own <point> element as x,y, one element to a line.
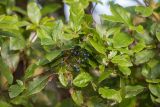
<point>155,72</point>
<point>138,28</point>
<point>53,54</point>
<point>110,94</point>
<point>155,99</point>
<point>155,89</point>
<point>5,71</point>
<point>82,79</point>
<point>119,15</point>
<point>104,76</point>
<point>57,31</point>
<point>125,70</point>
<point>50,8</point>
<point>99,47</point>
<point>15,90</point>
<point>131,91</point>
<point>143,56</point>
<point>9,57</point>
<point>77,97</point>
<point>17,43</point>
<point>122,40</point>
<point>76,15</point>
<point>34,13</point>
<point>158,35</point>
<point>62,77</point>
<point>4,104</point>
<point>139,46</point>
<point>129,102</point>
<point>145,11</point>
<point>122,60</point>
<point>7,34</point>
<point>9,22</point>
<point>46,39</point>
<point>30,71</point>
<point>37,85</point>
<point>112,31</point>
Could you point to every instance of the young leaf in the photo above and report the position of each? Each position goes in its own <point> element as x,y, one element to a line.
<point>99,47</point>
<point>57,31</point>
<point>34,13</point>
<point>139,46</point>
<point>110,94</point>
<point>82,79</point>
<point>119,15</point>
<point>122,40</point>
<point>145,11</point>
<point>46,39</point>
<point>121,60</point>
<point>125,70</point>
<point>76,15</point>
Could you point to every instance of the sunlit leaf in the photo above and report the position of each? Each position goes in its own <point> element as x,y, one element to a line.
<point>110,94</point>
<point>82,79</point>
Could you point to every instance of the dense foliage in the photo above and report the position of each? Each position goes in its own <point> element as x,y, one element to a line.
<point>45,62</point>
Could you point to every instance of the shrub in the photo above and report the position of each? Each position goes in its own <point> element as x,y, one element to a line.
<point>46,62</point>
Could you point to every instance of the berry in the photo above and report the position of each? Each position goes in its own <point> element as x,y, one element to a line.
<point>76,68</point>
<point>85,58</point>
<point>76,53</point>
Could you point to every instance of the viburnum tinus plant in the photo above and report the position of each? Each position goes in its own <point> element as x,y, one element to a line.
<point>45,62</point>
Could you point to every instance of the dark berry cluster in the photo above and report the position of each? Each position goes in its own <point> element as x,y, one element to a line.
<point>80,56</point>
<point>76,68</point>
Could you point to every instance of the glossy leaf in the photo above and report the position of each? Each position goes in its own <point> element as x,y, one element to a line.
<point>34,13</point>
<point>57,31</point>
<point>110,94</point>
<point>122,40</point>
<point>62,77</point>
<point>99,47</point>
<point>82,79</point>
<point>121,60</point>
<point>125,70</point>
